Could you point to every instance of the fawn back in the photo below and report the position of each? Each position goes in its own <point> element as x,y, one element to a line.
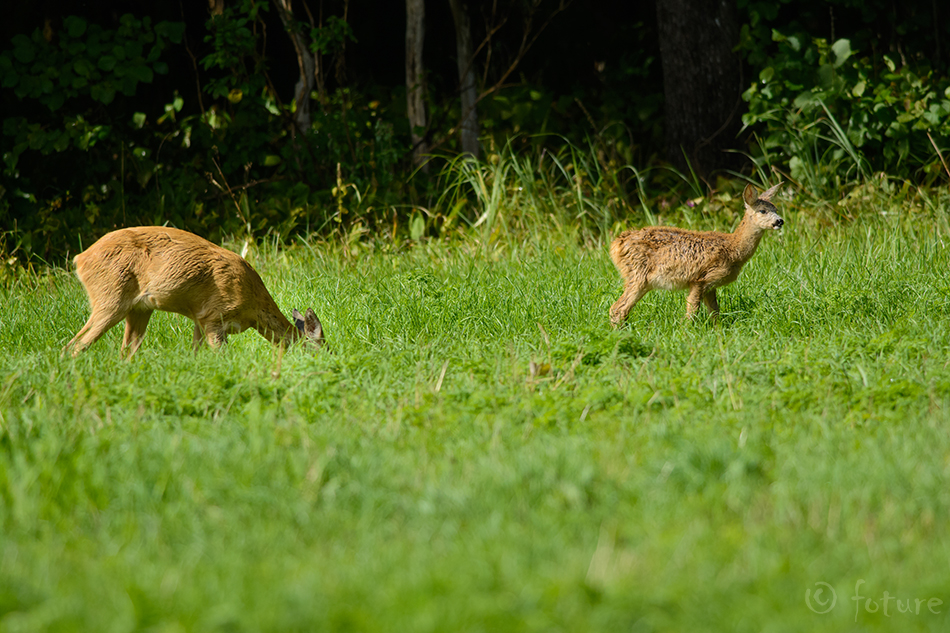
<point>132,272</point>
<point>670,258</point>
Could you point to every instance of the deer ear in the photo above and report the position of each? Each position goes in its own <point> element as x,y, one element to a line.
<point>750,195</point>
<point>768,193</point>
<point>298,320</point>
<point>312,326</point>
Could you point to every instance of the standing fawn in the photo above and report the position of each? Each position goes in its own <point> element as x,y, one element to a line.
<point>132,272</point>
<point>698,261</point>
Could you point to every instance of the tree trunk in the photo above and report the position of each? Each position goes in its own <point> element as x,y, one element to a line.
<point>466,60</point>
<point>415,79</point>
<point>305,63</point>
<point>702,81</point>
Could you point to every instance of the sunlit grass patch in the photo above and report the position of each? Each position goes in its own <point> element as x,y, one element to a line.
<point>482,451</point>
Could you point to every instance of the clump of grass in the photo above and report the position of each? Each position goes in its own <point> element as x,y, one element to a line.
<point>517,193</point>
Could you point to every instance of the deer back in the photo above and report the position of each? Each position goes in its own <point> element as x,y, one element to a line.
<point>161,268</point>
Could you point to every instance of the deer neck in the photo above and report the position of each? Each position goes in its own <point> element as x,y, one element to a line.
<point>275,327</point>
<point>746,238</point>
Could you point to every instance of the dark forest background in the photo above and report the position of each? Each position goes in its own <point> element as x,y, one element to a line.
<point>303,116</point>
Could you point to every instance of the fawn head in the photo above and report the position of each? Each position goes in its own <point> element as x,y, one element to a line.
<point>759,208</point>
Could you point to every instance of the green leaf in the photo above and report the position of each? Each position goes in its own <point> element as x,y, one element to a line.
<point>82,67</point>
<point>128,86</point>
<point>107,63</point>
<point>418,227</point>
<point>23,49</point>
<point>858,89</point>
<point>141,73</point>
<point>134,49</point>
<point>842,51</point>
<point>76,47</point>
<point>13,125</point>
<point>804,99</point>
<point>103,93</point>
<point>56,100</point>
<point>138,120</point>
<point>75,26</point>
<point>9,76</point>
<point>826,76</point>
<point>26,87</point>
<point>36,138</point>
<point>173,31</point>
<point>61,142</point>
<point>799,171</point>
<point>94,44</point>
<point>856,136</point>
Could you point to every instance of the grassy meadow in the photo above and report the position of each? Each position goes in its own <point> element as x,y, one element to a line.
<point>481,452</point>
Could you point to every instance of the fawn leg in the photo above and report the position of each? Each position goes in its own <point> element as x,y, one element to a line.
<point>135,324</point>
<point>632,293</point>
<point>711,304</point>
<point>692,301</point>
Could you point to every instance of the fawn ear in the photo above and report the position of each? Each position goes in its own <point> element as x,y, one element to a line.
<point>298,320</point>
<point>750,195</point>
<point>768,193</point>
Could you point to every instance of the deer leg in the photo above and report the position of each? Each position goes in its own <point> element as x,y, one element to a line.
<point>216,338</point>
<point>198,339</point>
<point>711,304</point>
<point>214,333</point>
<point>210,331</point>
<point>632,293</point>
<point>135,324</point>
<point>100,322</point>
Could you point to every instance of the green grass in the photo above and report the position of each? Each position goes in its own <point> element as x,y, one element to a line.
<point>664,477</point>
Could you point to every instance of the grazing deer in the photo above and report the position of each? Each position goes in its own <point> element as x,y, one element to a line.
<point>698,261</point>
<point>132,272</point>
